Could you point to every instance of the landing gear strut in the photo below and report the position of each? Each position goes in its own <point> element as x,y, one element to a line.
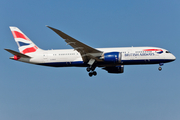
<point>91,68</point>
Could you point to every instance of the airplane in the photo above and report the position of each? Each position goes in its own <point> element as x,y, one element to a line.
<point>110,59</point>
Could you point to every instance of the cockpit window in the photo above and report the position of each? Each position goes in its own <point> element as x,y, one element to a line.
<point>168,52</point>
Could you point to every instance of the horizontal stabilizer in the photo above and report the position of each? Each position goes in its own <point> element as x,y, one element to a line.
<point>17,53</point>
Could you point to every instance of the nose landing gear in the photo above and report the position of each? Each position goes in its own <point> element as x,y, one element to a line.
<point>160,68</point>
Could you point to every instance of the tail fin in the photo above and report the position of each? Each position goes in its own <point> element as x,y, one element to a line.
<point>25,45</point>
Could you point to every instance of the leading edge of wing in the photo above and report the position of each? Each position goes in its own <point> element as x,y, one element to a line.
<point>86,51</point>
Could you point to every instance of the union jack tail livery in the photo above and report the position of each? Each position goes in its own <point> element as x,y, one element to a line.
<point>25,45</point>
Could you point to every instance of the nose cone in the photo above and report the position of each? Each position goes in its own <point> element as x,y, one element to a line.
<point>173,57</point>
<point>169,57</point>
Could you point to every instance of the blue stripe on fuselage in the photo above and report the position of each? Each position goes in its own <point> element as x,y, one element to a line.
<point>148,61</point>
<point>124,62</point>
<point>63,64</point>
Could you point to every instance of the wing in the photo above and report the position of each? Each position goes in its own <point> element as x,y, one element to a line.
<point>86,51</point>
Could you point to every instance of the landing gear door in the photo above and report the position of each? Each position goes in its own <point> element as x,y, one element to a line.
<point>120,57</point>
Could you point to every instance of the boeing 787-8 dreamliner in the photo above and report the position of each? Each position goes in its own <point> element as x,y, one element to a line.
<point>110,59</point>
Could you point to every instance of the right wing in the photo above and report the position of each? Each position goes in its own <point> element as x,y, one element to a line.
<point>87,52</point>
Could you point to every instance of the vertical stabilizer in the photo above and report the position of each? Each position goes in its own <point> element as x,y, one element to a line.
<point>25,45</point>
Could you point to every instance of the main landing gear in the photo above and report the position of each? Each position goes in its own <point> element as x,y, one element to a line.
<point>160,68</point>
<point>91,71</point>
<point>91,67</point>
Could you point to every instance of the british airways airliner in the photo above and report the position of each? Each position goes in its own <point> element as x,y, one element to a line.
<point>110,59</point>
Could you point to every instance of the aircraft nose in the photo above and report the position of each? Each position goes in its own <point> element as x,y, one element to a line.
<point>173,57</point>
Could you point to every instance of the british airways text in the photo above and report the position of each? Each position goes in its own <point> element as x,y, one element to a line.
<point>139,54</point>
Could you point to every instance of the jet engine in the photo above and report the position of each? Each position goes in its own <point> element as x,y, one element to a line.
<point>113,57</point>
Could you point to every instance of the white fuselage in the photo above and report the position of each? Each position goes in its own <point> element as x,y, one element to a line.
<point>129,55</point>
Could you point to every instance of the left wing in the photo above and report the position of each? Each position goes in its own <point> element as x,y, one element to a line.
<point>87,52</point>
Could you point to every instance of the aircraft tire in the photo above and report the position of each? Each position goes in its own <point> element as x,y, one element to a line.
<point>90,74</point>
<point>160,68</point>
<point>94,73</point>
<point>88,69</point>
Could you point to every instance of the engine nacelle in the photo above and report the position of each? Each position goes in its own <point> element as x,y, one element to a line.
<point>113,57</point>
<point>116,69</point>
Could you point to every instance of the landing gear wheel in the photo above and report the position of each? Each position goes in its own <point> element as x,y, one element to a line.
<point>160,68</point>
<point>91,71</point>
<point>90,74</point>
<point>94,73</point>
<point>88,69</point>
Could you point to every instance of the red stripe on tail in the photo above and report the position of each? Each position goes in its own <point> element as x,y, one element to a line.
<point>17,34</point>
<point>29,50</point>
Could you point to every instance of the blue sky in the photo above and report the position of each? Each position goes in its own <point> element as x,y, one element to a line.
<point>30,92</point>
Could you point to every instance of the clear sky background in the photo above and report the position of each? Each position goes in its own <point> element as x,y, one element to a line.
<point>31,92</point>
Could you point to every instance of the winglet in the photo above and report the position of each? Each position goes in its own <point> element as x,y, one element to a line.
<point>60,33</point>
